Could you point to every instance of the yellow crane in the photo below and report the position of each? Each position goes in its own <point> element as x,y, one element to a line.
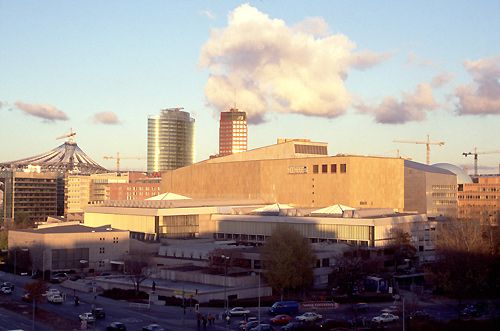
<point>476,153</point>
<point>427,143</point>
<point>118,158</point>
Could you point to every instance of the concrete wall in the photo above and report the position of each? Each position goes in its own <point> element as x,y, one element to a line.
<point>136,223</point>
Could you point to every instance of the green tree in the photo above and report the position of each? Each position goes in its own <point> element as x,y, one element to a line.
<point>401,247</point>
<point>288,260</point>
<point>23,220</point>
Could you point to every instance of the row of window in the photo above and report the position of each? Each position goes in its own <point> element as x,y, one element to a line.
<point>263,238</point>
<point>444,187</point>
<point>333,168</point>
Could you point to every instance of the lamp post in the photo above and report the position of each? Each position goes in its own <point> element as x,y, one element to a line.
<point>259,298</point>
<point>226,304</point>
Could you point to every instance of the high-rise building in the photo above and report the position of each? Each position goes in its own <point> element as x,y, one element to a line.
<point>170,140</point>
<point>29,194</point>
<point>233,132</point>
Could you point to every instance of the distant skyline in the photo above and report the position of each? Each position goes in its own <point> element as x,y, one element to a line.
<point>355,74</point>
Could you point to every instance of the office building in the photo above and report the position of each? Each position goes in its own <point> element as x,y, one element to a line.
<point>170,140</point>
<point>480,200</point>
<point>29,193</point>
<point>233,132</point>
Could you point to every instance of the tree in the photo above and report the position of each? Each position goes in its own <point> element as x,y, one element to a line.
<point>137,267</point>
<point>288,259</point>
<point>401,247</point>
<point>36,290</point>
<point>468,263</point>
<point>23,221</point>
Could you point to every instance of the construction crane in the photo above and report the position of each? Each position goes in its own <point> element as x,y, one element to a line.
<point>70,135</point>
<point>118,158</point>
<point>476,153</point>
<point>427,143</point>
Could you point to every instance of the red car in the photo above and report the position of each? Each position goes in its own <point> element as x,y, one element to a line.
<point>281,319</point>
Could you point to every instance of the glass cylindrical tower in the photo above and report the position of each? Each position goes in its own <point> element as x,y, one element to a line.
<point>170,140</point>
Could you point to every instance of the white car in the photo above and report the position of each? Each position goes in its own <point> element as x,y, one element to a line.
<point>87,317</point>
<point>309,317</point>
<point>385,318</point>
<point>6,290</point>
<point>55,298</point>
<point>52,291</point>
<point>238,311</point>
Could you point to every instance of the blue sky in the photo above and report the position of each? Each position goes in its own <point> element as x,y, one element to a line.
<point>406,69</point>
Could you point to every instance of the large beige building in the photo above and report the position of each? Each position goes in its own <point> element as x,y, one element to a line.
<point>295,172</point>
<point>72,246</point>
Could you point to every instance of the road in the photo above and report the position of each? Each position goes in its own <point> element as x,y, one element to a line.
<point>171,318</point>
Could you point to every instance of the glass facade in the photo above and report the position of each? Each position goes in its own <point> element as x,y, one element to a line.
<point>170,140</point>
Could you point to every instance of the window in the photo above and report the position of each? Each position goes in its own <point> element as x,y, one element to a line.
<point>315,169</point>
<point>343,167</point>
<point>333,168</point>
<point>324,168</point>
<point>101,250</point>
<point>326,262</point>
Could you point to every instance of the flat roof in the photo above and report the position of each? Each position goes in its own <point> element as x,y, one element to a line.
<point>71,229</point>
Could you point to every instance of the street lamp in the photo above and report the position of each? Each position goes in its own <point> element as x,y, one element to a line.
<point>226,303</point>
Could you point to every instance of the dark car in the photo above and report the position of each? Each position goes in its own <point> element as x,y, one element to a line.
<point>473,310</point>
<point>294,326</point>
<point>98,312</point>
<point>329,324</point>
<point>8,284</point>
<point>419,315</point>
<point>116,326</point>
<point>153,327</point>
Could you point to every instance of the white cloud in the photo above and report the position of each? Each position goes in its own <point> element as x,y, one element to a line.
<point>47,112</point>
<point>415,60</point>
<point>106,117</point>
<point>264,66</point>
<point>412,107</point>
<point>483,96</point>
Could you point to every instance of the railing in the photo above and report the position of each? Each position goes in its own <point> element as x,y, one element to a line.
<point>139,305</point>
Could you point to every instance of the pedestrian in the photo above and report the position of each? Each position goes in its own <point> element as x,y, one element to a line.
<point>153,287</point>
<point>198,319</point>
<point>210,319</point>
<point>204,322</point>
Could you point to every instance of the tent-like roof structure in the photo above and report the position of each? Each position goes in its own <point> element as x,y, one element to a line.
<point>169,196</point>
<point>273,209</point>
<point>67,157</point>
<point>337,209</point>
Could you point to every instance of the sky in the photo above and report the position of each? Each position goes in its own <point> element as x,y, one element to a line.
<point>355,74</point>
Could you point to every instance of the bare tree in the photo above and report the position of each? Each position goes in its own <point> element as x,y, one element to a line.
<point>468,263</point>
<point>217,264</point>
<point>36,290</point>
<point>137,266</point>
<point>401,247</point>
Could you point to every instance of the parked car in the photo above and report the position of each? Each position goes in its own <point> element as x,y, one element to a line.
<point>153,327</point>
<point>309,317</point>
<point>419,314</point>
<point>472,310</point>
<point>87,317</point>
<point>55,298</point>
<point>26,297</point>
<point>98,312</point>
<point>75,277</point>
<point>52,291</point>
<point>248,325</point>
<point>262,327</point>
<point>8,284</point>
<point>5,290</point>
<point>284,307</point>
<point>329,324</point>
<point>391,310</point>
<point>238,311</point>
<point>59,277</point>
<point>294,326</point>
<point>116,326</point>
<point>281,319</point>
<point>361,307</point>
<point>385,318</point>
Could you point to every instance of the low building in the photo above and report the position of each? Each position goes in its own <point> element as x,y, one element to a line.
<point>72,246</point>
